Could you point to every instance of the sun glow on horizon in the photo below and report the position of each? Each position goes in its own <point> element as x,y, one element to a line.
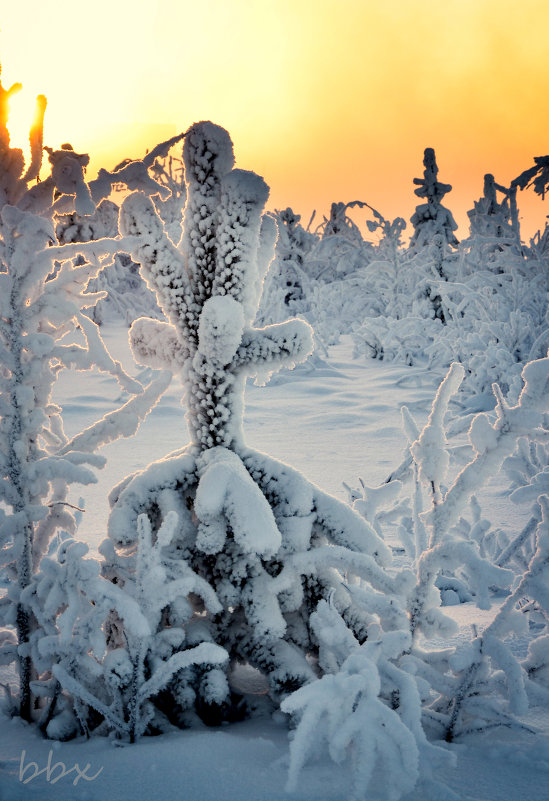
<point>328,101</point>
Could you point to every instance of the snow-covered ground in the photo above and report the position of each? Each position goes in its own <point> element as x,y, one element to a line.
<point>244,762</point>
<point>334,423</point>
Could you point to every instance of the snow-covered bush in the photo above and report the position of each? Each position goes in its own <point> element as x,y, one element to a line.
<point>70,601</point>
<point>344,711</point>
<point>318,277</point>
<point>390,231</point>
<point>336,307</point>
<point>366,708</point>
<point>340,224</point>
<point>405,340</point>
<point>42,298</point>
<point>349,278</point>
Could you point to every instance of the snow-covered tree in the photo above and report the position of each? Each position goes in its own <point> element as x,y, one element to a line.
<point>431,218</point>
<point>390,232</point>
<point>491,223</point>
<point>42,298</point>
<point>268,543</point>
<point>340,224</point>
<point>287,284</point>
<point>434,224</point>
<point>536,176</point>
<point>125,293</point>
<point>342,249</point>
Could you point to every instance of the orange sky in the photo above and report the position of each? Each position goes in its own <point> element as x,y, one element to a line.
<point>328,100</point>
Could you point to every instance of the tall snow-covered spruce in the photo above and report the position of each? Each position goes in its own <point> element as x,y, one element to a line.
<point>434,224</point>
<point>431,218</point>
<point>42,298</point>
<point>268,543</point>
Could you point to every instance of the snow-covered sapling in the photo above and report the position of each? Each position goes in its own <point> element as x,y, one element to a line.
<point>101,645</point>
<point>472,695</point>
<point>269,543</point>
<point>482,683</point>
<point>42,298</point>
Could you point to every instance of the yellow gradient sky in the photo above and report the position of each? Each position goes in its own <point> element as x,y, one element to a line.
<point>328,100</point>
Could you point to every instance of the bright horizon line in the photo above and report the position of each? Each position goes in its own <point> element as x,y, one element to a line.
<point>528,202</point>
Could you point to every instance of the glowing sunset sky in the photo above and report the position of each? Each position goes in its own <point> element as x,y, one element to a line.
<point>328,100</point>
